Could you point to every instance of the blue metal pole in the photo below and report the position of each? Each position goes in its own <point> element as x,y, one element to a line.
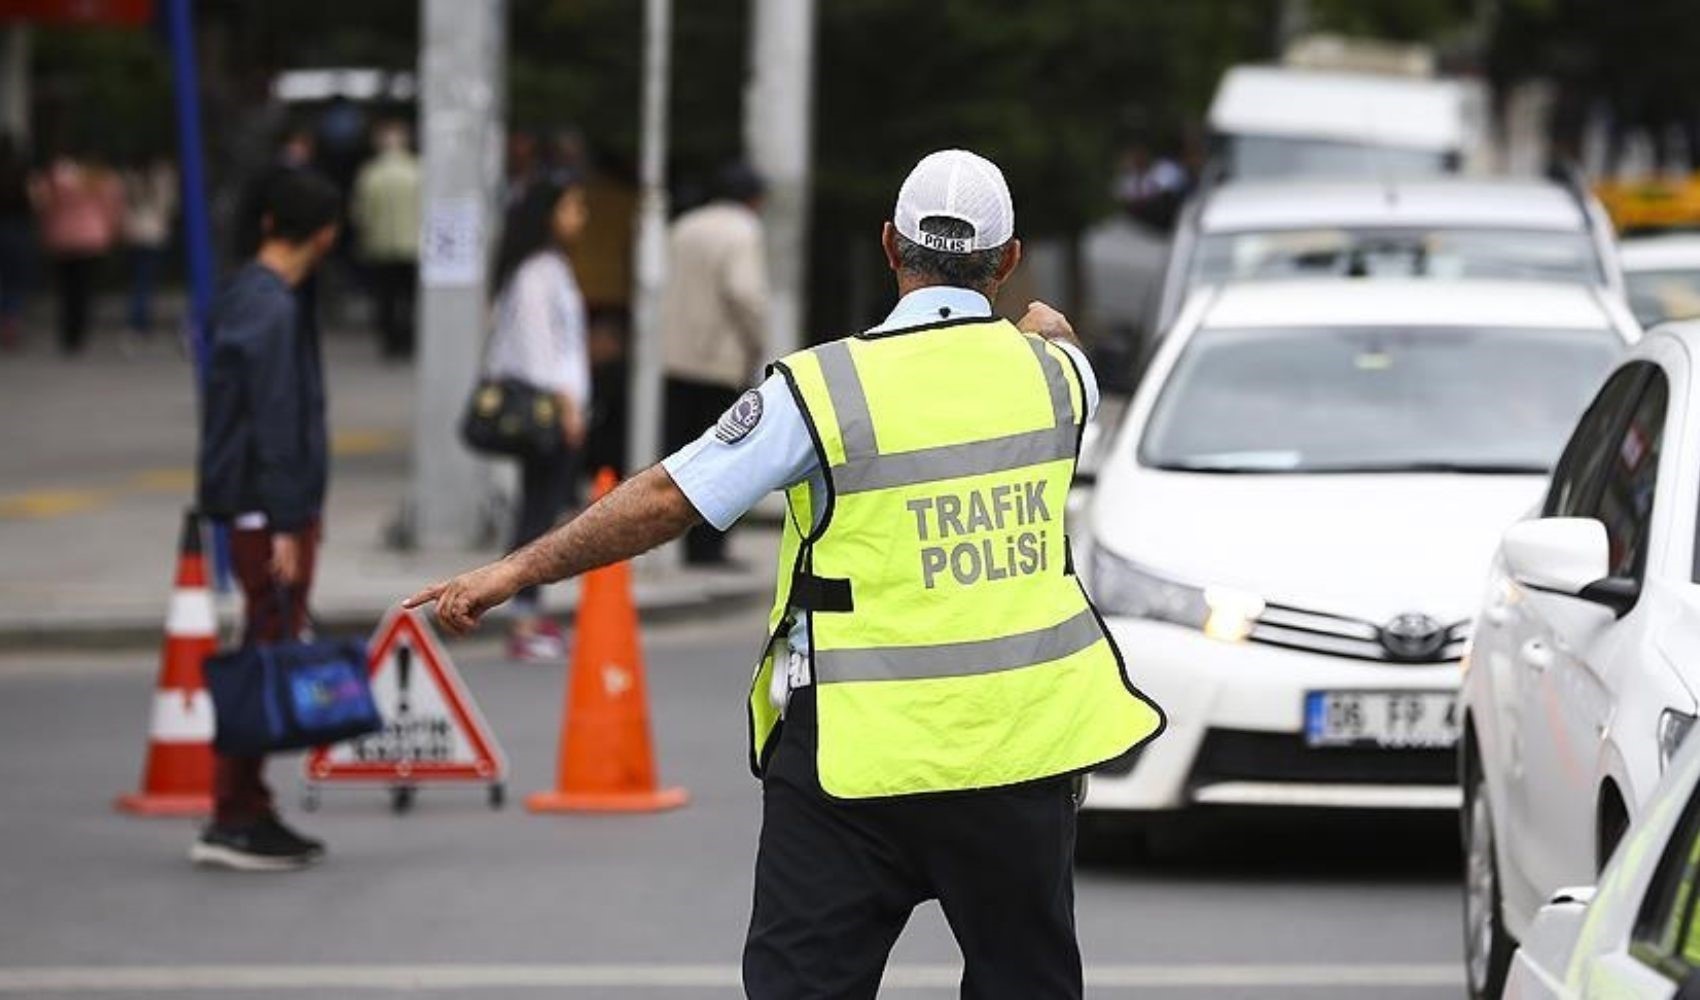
<point>197,226</point>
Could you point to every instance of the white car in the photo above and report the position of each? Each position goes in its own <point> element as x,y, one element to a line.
<point>1661,275</point>
<point>1582,675</point>
<point>1636,936</point>
<point>1454,227</point>
<point>1289,528</point>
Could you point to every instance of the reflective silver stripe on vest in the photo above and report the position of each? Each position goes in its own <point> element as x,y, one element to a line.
<point>1055,381</point>
<point>849,402</point>
<point>959,659</point>
<point>926,465</point>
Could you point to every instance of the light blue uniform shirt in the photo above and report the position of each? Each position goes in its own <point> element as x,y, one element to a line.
<point>723,481</point>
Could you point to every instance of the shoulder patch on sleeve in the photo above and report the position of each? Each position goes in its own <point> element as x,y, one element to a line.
<point>740,419</point>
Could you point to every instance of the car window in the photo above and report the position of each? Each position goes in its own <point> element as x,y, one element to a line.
<point>1366,252</point>
<point>1626,503</point>
<point>1274,156</point>
<point>1352,399</point>
<point>1583,462</point>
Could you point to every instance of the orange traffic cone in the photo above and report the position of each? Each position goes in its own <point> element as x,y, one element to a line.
<point>607,763</point>
<point>178,778</point>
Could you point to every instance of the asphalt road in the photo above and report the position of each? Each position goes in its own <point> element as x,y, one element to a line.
<point>457,900</point>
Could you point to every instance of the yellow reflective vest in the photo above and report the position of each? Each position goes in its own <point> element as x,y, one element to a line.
<point>952,647</point>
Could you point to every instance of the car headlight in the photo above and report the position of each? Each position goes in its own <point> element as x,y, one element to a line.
<point>1121,588</point>
<point>1673,729</point>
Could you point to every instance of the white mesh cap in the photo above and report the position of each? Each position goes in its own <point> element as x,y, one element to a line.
<point>958,185</point>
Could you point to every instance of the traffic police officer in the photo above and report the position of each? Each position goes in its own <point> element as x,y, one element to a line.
<point>934,676</point>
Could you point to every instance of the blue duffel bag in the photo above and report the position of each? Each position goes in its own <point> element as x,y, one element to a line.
<point>270,697</point>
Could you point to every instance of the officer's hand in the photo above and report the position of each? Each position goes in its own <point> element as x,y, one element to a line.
<point>1046,322</point>
<point>462,601</point>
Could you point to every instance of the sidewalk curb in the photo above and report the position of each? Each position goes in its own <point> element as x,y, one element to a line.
<point>672,605</point>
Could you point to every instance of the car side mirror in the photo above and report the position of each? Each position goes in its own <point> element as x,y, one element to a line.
<point>1569,556</point>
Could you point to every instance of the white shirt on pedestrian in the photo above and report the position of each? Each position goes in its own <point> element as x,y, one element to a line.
<point>541,329</point>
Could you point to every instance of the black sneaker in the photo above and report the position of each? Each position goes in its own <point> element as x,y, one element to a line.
<point>315,849</point>
<point>256,847</point>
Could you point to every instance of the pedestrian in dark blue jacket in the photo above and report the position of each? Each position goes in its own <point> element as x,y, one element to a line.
<point>263,471</point>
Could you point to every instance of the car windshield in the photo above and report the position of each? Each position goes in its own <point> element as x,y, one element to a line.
<point>1657,296</point>
<point>1270,157</point>
<point>1437,253</point>
<point>1347,399</point>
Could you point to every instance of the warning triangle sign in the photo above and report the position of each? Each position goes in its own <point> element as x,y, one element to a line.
<point>432,731</point>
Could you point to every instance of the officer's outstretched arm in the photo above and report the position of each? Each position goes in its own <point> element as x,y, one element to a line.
<point>640,514</point>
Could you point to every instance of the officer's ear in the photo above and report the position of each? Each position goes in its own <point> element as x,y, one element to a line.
<point>1006,267</point>
<point>888,243</point>
<point>1011,260</point>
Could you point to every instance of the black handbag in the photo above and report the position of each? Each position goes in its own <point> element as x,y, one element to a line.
<point>511,418</point>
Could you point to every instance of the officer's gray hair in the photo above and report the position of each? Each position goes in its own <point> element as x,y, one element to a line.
<point>964,270</point>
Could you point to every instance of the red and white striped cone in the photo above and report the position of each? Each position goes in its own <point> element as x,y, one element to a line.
<point>177,780</point>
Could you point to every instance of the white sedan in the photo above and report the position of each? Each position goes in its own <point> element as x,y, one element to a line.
<point>1585,663</point>
<point>1503,228</point>
<point>1289,528</point>
<point>1636,936</point>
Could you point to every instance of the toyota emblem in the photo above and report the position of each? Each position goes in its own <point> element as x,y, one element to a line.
<point>1413,637</point>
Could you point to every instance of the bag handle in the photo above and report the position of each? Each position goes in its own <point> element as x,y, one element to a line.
<point>284,594</point>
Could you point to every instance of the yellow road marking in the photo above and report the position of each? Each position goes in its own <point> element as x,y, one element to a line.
<point>51,502</point>
<point>357,441</point>
<point>37,504</point>
<point>164,480</point>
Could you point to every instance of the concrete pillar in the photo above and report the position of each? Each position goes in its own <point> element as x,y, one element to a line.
<point>643,442</point>
<point>462,112</point>
<point>778,108</point>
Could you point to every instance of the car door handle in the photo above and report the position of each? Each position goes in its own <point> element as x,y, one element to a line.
<point>1536,654</point>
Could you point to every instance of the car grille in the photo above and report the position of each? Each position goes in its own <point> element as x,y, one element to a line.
<point>1239,755</point>
<point>1334,635</point>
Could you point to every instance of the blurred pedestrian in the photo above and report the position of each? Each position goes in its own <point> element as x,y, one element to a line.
<point>150,207</point>
<point>713,321</point>
<point>385,212</point>
<point>79,204</point>
<point>541,339</point>
<point>16,239</point>
<point>263,471</point>
<point>934,678</point>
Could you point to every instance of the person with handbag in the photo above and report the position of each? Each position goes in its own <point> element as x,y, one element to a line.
<point>263,471</point>
<point>539,349</point>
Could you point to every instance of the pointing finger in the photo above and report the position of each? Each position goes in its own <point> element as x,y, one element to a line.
<point>425,596</point>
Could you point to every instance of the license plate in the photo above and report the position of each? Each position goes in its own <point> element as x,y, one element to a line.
<point>1386,719</point>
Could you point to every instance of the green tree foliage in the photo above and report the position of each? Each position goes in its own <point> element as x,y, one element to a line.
<point>100,91</point>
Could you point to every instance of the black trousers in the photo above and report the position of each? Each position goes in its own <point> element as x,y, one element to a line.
<point>691,408</point>
<point>73,276</point>
<point>836,881</point>
<point>393,286</point>
<point>547,487</point>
